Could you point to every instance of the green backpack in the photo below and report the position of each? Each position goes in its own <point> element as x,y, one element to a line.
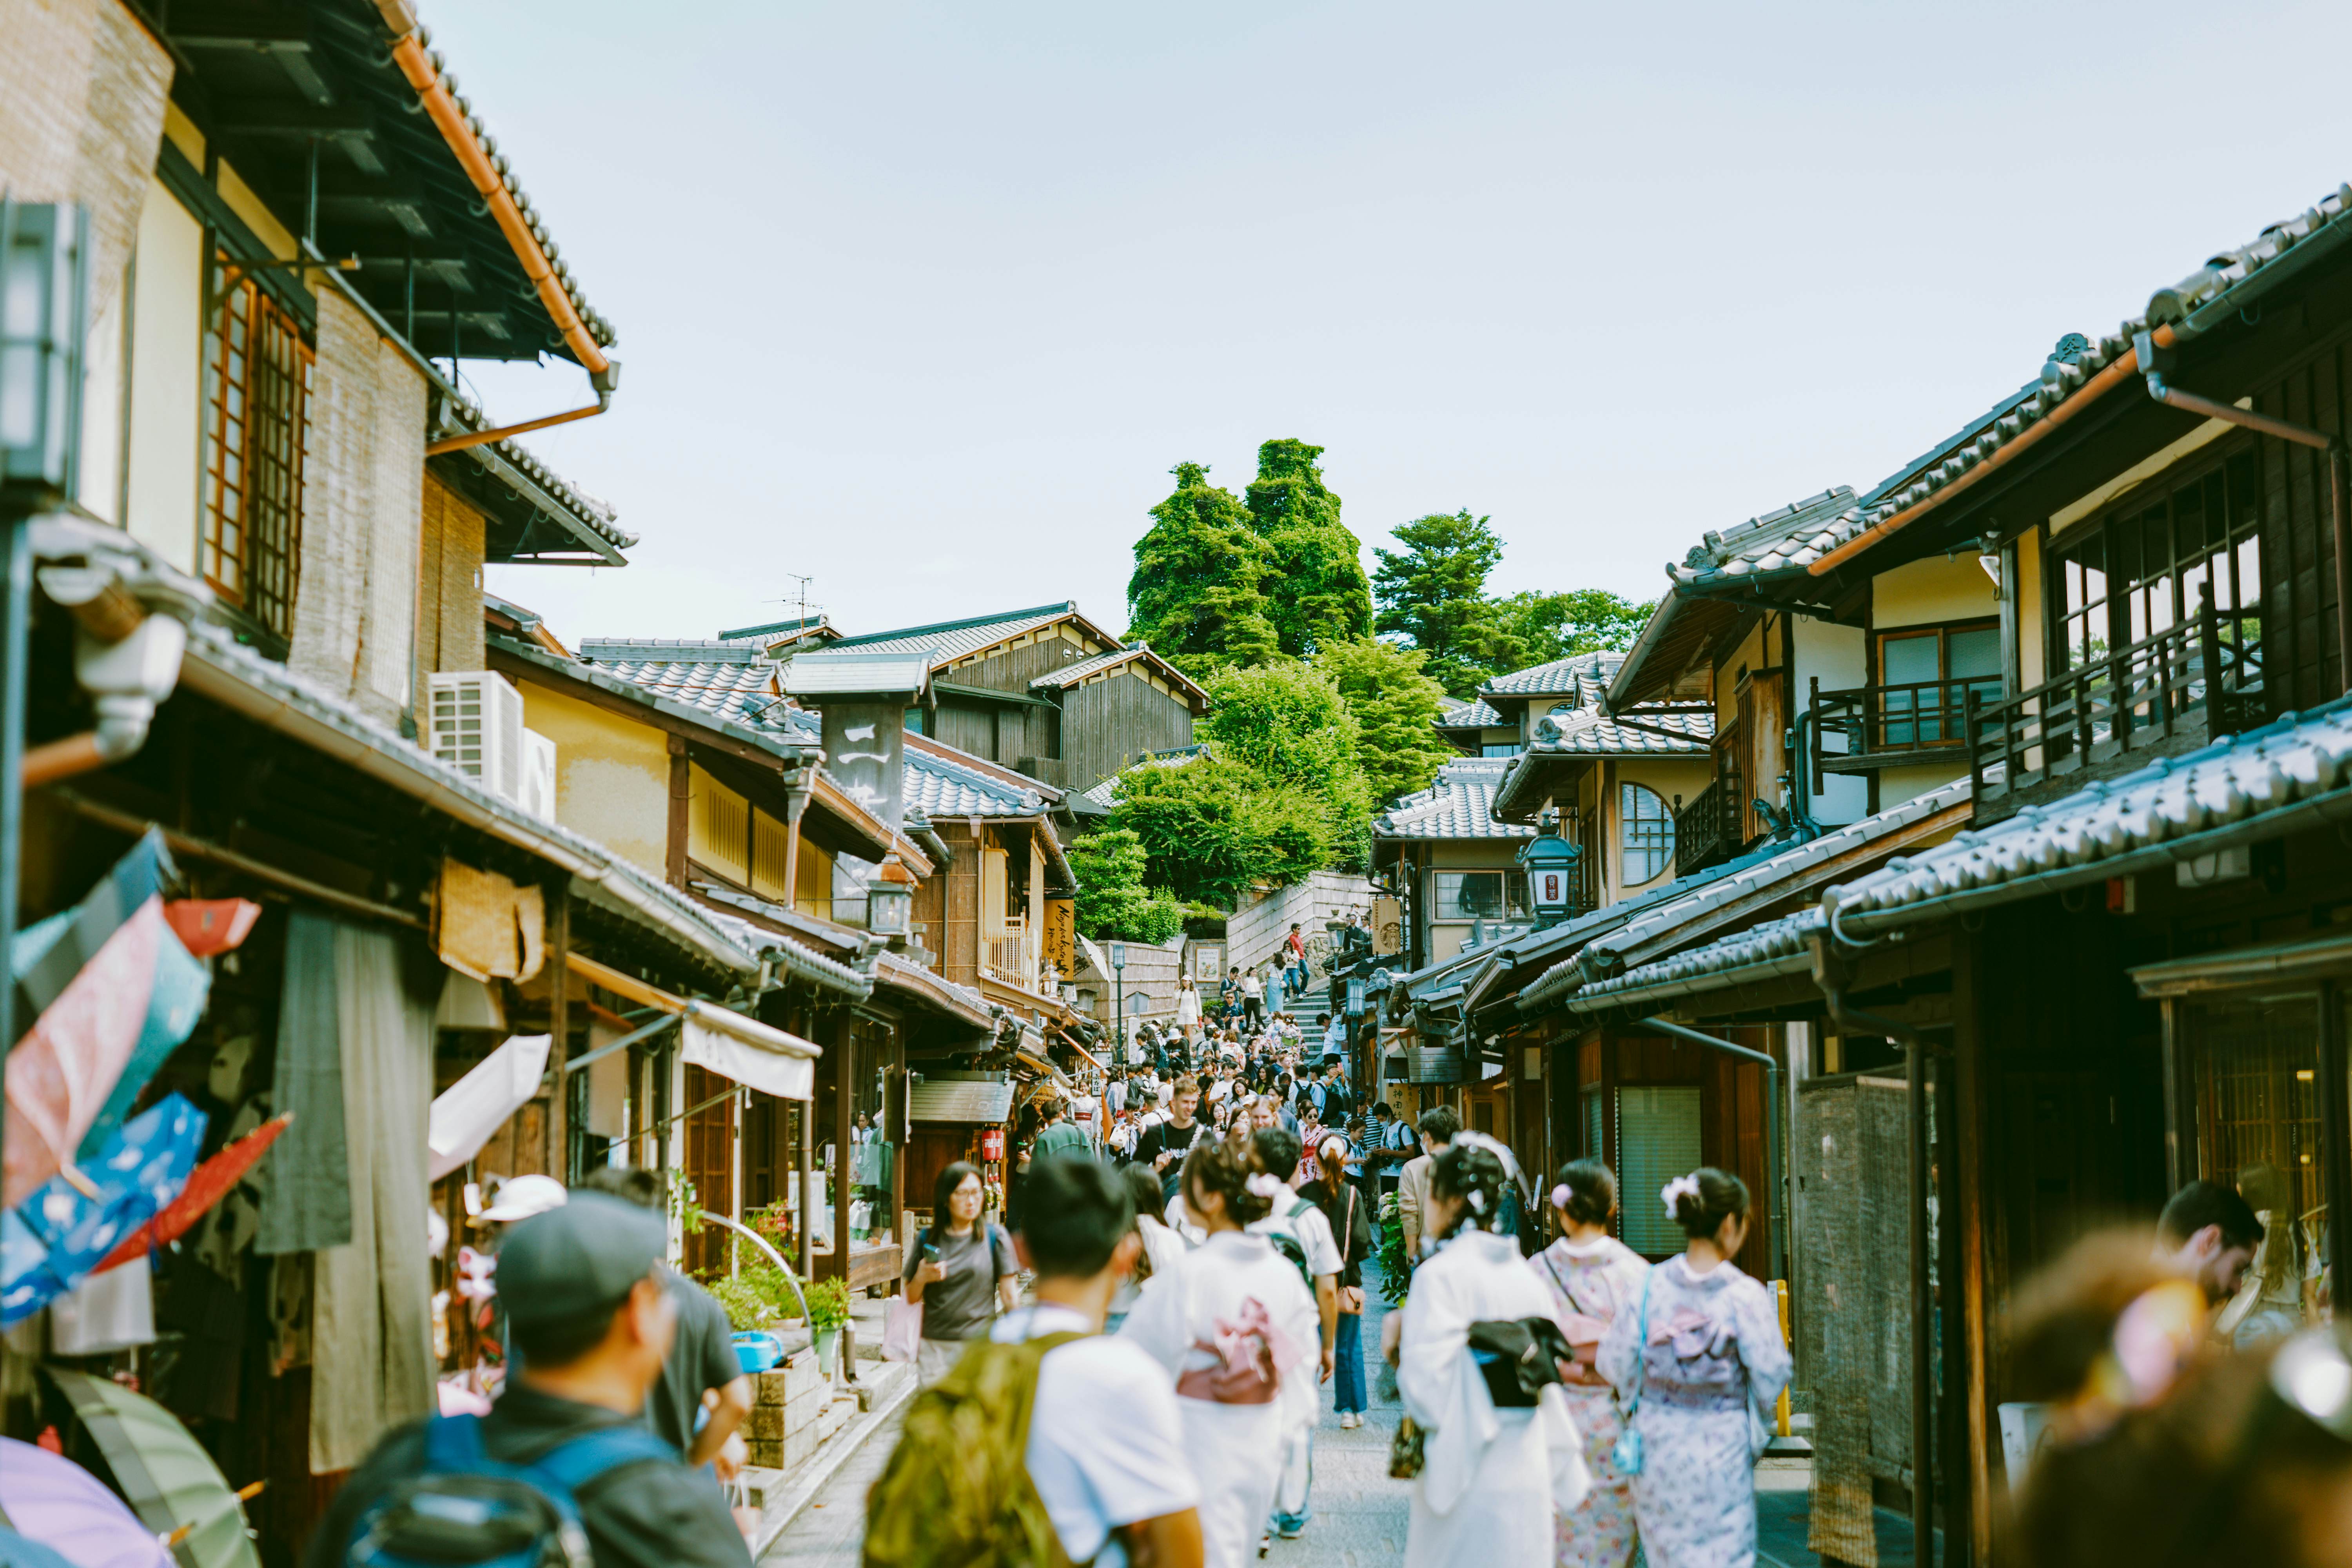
<point>956,1492</point>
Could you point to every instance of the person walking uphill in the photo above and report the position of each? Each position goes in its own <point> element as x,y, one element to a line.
<point>1696,1357</point>
<point>1594,1278</point>
<point>587,1303</point>
<point>960,1272</point>
<point>1060,1138</point>
<point>1498,1466</point>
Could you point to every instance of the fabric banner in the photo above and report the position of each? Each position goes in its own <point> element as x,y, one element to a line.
<point>306,1201</point>
<point>740,1057</point>
<point>469,1111</point>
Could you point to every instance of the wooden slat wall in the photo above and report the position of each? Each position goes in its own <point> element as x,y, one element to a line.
<point>2298,536</point>
<point>1108,724</point>
<point>958,947</point>
<point>449,586</point>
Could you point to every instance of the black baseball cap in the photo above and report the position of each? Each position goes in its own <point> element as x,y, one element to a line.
<point>581,1259</point>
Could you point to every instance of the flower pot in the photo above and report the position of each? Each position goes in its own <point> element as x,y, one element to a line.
<point>828,1342</point>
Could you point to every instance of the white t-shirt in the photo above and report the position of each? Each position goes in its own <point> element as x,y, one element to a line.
<point>1106,1445</point>
<point>1312,1227</point>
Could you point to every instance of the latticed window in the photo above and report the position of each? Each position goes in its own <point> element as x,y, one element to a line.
<point>257,384</point>
<point>1648,829</point>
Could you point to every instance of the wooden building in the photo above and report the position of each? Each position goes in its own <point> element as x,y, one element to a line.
<point>1046,692</point>
<point>1456,867</point>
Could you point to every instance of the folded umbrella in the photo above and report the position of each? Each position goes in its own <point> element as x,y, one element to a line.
<point>54,1240</point>
<point>172,1483</point>
<point>57,1504</point>
<point>209,1185</point>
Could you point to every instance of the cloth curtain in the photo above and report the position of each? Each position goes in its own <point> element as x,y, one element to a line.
<point>306,1195</point>
<point>372,1336</point>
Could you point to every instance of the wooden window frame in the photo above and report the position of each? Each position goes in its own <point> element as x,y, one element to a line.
<point>1626,847</point>
<point>258,375</point>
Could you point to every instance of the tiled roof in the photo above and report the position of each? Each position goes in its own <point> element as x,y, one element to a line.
<point>1587,731</point>
<point>940,788</point>
<point>1689,913</point>
<point>1175,757</point>
<point>772,630</point>
<point>598,517</point>
<point>2175,808</point>
<point>1457,804</point>
<point>1776,947</point>
<point>2226,284</point>
<point>1794,534</point>
<point>792,956</point>
<point>728,680</point>
<point>953,639</point>
<point>1477,715</point>
<point>1071,674</point>
<point>1580,676</point>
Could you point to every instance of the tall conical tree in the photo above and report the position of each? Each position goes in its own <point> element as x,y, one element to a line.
<point>1197,595</point>
<point>1317,593</point>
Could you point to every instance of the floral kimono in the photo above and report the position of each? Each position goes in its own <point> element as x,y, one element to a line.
<point>1592,1285</point>
<point>1706,1364</point>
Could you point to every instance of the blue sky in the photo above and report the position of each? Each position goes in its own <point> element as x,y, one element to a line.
<point>925,300</point>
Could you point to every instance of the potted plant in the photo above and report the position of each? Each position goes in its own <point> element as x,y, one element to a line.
<point>828,1303</point>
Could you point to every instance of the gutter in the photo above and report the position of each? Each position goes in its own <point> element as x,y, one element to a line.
<point>2117,370</point>
<point>433,91</point>
<point>2153,362</point>
<point>593,871</point>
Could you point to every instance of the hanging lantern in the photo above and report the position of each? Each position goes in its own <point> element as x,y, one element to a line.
<point>1552,864</point>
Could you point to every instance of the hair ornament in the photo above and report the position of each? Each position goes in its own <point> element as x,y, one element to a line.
<point>1334,1147</point>
<point>2154,1339</point>
<point>1562,1195</point>
<point>1263,1184</point>
<point>1476,1200</point>
<point>1675,1189</point>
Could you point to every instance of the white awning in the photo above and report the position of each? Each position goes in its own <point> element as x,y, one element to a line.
<point>464,1114</point>
<point>746,1051</point>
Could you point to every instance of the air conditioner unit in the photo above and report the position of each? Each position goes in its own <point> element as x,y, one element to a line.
<point>538,776</point>
<point>474,725</point>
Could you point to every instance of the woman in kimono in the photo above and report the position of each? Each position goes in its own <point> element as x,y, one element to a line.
<point>1492,1479</point>
<point>1697,1358</point>
<point>1594,1279</point>
<point>1233,1324</point>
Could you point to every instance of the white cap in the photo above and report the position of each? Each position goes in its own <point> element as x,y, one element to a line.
<point>523,1196</point>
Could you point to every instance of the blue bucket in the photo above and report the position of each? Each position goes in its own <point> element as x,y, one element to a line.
<point>758,1352</point>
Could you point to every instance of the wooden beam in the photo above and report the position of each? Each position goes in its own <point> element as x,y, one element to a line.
<point>558,1029</point>
<point>681,794</point>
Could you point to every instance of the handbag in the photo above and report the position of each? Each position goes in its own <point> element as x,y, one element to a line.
<point>1408,1450</point>
<point>1351,1296</point>
<point>1626,1454</point>
<point>1518,1358</point>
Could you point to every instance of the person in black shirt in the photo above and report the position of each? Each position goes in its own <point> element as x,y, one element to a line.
<point>586,1302</point>
<point>1163,1145</point>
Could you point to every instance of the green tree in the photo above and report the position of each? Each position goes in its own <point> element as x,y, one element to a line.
<point>1434,592</point>
<point>1198,592</point>
<point>1535,628</point>
<point>1211,828</point>
<point>1287,722</point>
<point>1394,704</point>
<point>1113,903</point>
<point>1315,591</point>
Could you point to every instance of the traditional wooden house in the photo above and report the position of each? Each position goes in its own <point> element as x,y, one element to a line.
<point>1043,691</point>
<point>1455,866</point>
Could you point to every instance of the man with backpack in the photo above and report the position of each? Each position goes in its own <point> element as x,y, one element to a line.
<point>1053,1435</point>
<point>1301,1232</point>
<point>563,1447</point>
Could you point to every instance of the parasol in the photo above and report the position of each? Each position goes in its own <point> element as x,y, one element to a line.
<point>53,1239</point>
<point>172,1483</point>
<point>21,1552</point>
<point>56,1503</point>
<point>210,926</point>
<point>209,1185</point>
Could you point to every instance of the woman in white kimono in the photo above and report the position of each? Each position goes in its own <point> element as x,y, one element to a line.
<point>1594,1279</point>
<point>1493,1479</point>
<point>1697,1358</point>
<point>1233,1324</point>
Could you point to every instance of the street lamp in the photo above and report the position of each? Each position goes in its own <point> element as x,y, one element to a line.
<point>1552,862</point>
<point>889,898</point>
<point>1118,992</point>
<point>42,290</point>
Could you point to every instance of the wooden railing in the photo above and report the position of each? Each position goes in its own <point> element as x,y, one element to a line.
<point>2186,684</point>
<point>1011,956</point>
<point>1708,828</point>
<point>1906,723</point>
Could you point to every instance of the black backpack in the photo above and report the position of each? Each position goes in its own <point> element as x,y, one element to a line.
<point>466,1509</point>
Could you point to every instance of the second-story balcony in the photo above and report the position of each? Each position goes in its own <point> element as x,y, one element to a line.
<point>1906,724</point>
<point>1710,828</point>
<point>1012,957</point>
<point>2169,692</point>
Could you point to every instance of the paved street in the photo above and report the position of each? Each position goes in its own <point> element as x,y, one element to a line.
<point>1360,1514</point>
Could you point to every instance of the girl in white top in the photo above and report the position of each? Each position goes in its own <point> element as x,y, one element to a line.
<point>1493,1479</point>
<point>1187,1007</point>
<point>1233,1324</point>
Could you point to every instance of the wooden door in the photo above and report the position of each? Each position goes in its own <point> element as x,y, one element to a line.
<point>709,1165</point>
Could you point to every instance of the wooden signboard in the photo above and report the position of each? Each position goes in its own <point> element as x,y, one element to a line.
<point>1061,936</point>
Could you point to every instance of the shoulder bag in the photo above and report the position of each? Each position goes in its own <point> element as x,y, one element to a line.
<point>1626,1455</point>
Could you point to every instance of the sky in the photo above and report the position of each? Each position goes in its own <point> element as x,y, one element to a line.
<point>924,301</point>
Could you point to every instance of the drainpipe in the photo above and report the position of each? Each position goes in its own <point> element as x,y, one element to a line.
<point>452,120</point>
<point>1774,1172</point>
<point>125,659</point>
<point>2154,360</point>
<point>1830,975</point>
